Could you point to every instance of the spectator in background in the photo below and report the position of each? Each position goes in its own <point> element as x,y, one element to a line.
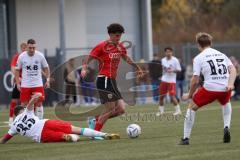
<point>189,73</point>
<point>180,80</point>
<point>155,73</point>
<point>142,83</point>
<point>15,93</point>
<point>88,86</point>
<point>70,79</point>
<point>236,64</point>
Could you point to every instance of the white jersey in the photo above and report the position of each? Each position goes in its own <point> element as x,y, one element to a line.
<point>214,67</point>
<point>31,69</point>
<point>172,64</point>
<point>28,125</point>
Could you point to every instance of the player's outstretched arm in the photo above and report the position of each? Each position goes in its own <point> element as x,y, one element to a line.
<point>232,76</point>
<point>130,61</point>
<point>34,99</point>
<point>5,138</point>
<point>86,61</point>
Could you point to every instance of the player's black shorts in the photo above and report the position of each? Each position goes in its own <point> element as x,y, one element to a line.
<point>15,92</point>
<point>107,89</point>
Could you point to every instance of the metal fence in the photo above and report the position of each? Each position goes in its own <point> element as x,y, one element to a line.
<point>189,51</point>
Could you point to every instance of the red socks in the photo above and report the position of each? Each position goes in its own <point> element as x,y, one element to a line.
<point>98,126</point>
<point>11,109</point>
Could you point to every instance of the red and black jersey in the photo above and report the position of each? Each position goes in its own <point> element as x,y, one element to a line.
<point>108,55</point>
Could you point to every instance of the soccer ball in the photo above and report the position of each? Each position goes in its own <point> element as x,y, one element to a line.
<point>133,130</point>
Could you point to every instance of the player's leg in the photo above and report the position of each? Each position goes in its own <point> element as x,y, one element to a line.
<point>93,133</point>
<point>163,89</point>
<point>106,113</point>
<point>25,96</point>
<point>172,93</point>
<point>119,109</point>
<point>109,96</point>
<point>59,131</point>
<point>14,101</point>
<point>224,100</point>
<point>201,98</point>
<point>176,105</point>
<point>188,123</point>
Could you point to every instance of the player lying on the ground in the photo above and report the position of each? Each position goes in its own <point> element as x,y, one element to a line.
<point>219,76</point>
<point>44,130</point>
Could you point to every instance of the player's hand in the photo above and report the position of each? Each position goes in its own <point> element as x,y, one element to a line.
<point>185,96</point>
<point>83,73</point>
<point>140,73</point>
<point>229,87</point>
<point>19,87</point>
<point>35,97</point>
<point>47,84</point>
<point>170,70</point>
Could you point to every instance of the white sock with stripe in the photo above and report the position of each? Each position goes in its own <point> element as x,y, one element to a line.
<point>91,133</point>
<point>177,108</point>
<point>227,114</point>
<point>188,123</point>
<point>161,109</point>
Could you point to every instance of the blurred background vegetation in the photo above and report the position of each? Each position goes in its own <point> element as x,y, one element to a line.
<point>176,21</point>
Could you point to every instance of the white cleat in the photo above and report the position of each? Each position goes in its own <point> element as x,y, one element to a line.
<point>177,113</point>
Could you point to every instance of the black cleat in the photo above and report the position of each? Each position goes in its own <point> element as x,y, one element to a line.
<point>226,136</point>
<point>184,141</point>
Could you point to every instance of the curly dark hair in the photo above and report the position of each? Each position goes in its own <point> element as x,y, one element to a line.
<point>115,28</point>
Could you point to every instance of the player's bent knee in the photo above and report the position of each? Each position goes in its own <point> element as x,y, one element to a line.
<point>193,106</point>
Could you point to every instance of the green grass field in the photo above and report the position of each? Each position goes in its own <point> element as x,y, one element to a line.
<point>158,140</point>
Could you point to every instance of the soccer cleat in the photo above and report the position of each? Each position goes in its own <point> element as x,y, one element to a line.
<point>184,141</point>
<point>111,136</point>
<point>91,122</point>
<point>177,113</point>
<point>226,135</point>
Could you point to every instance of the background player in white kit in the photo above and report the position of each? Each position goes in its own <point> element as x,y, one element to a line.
<point>29,125</point>
<point>170,66</point>
<point>219,76</point>
<point>32,63</point>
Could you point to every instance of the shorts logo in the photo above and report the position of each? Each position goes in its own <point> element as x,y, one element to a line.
<point>110,96</point>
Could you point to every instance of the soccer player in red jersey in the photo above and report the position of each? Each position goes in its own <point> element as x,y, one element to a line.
<point>15,92</point>
<point>45,130</point>
<point>219,76</point>
<point>109,53</point>
<point>32,63</point>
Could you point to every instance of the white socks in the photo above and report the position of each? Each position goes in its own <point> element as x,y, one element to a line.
<point>91,133</point>
<point>161,109</point>
<point>177,108</point>
<point>190,116</point>
<point>188,122</point>
<point>39,112</point>
<point>227,113</point>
